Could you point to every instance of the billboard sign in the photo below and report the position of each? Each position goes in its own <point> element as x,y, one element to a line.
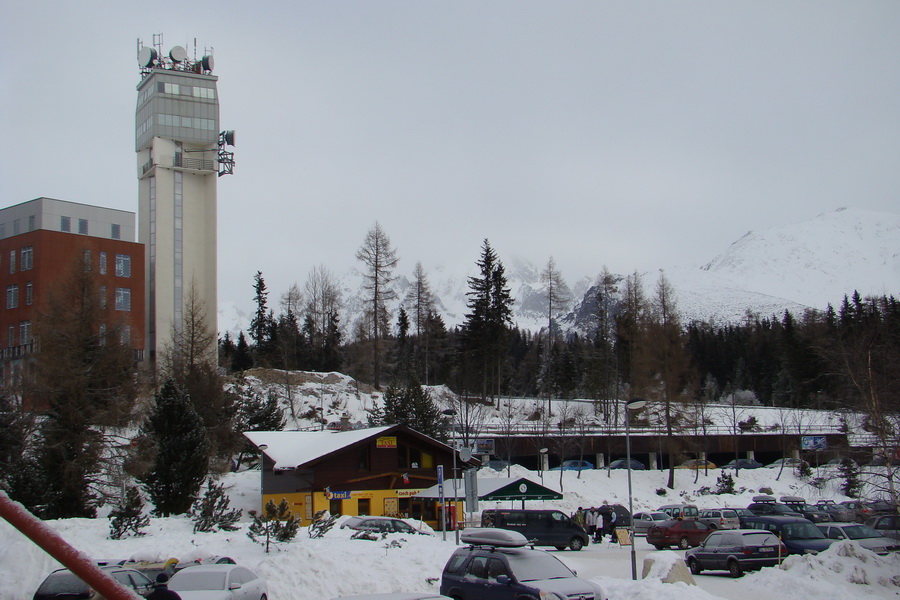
<point>813,442</point>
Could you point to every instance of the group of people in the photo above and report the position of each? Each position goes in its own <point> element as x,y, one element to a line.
<point>597,521</point>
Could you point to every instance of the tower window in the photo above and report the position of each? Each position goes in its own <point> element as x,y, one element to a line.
<point>87,260</point>
<point>123,265</point>
<point>116,231</point>
<point>65,224</point>
<point>29,293</point>
<point>123,299</point>
<point>12,262</point>
<point>31,222</point>
<point>102,291</point>
<point>103,263</point>
<point>83,226</point>
<point>27,258</point>
<point>24,332</point>
<point>12,296</point>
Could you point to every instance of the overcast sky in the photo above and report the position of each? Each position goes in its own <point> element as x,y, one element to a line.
<point>636,135</point>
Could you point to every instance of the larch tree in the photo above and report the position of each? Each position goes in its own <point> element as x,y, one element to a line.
<point>420,301</point>
<point>380,260</point>
<point>558,295</point>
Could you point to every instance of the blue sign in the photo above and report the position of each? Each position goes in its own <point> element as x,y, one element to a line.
<point>344,495</point>
<point>440,474</point>
<point>813,442</point>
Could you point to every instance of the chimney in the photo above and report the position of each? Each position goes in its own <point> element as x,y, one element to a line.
<point>345,422</point>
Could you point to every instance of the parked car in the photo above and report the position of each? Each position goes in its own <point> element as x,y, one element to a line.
<point>861,510</point>
<point>838,512</point>
<point>63,583</point>
<point>696,464</point>
<point>682,533</point>
<point>743,463</point>
<point>680,511</point>
<point>497,565</point>
<point>766,505</point>
<point>834,463</point>
<point>888,525</point>
<point>742,514</point>
<point>541,527</point>
<point>736,551</point>
<point>807,511</point>
<point>864,535</point>
<point>152,569</point>
<point>215,559</point>
<point>787,463</point>
<point>720,518</point>
<point>622,463</point>
<point>799,535</point>
<point>880,460</point>
<point>380,525</point>
<point>219,582</point>
<point>644,520</point>
<point>574,465</point>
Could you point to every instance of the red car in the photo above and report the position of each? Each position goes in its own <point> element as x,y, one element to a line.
<point>684,533</point>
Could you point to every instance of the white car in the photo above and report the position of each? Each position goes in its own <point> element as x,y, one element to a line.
<point>218,582</point>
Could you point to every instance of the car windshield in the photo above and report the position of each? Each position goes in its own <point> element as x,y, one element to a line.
<point>781,508</point>
<point>531,566</point>
<point>190,580</point>
<point>659,516</point>
<point>62,583</point>
<point>802,531</point>
<point>860,532</point>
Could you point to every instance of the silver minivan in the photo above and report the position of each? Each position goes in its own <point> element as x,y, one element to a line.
<point>680,511</point>
<point>720,518</point>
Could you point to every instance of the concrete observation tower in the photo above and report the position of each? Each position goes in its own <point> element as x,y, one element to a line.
<point>181,153</point>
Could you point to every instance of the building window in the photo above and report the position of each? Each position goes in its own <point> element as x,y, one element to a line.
<point>27,258</point>
<point>123,299</point>
<point>12,296</point>
<point>116,231</point>
<point>65,224</point>
<point>83,226</point>
<point>123,265</point>
<point>12,262</point>
<point>30,222</point>
<point>11,336</point>
<point>24,332</point>
<point>17,226</point>
<point>87,260</point>
<point>363,507</point>
<point>103,263</point>
<point>125,335</point>
<point>102,296</point>
<point>29,293</point>
<point>102,334</point>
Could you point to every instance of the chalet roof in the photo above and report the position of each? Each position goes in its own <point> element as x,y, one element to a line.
<point>292,449</point>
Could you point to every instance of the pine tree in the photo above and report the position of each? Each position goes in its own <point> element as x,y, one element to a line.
<point>212,513</point>
<point>259,325</point>
<point>242,360</point>
<point>128,516</point>
<point>180,452</point>
<point>485,327</point>
<point>277,524</point>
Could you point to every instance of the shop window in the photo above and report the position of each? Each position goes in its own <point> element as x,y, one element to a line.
<point>335,508</point>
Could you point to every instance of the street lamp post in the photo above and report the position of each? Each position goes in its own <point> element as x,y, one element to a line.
<point>452,413</point>
<point>541,454</point>
<point>635,404</point>
<point>262,448</point>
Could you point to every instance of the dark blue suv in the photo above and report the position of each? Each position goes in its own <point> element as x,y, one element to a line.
<point>799,535</point>
<point>497,565</point>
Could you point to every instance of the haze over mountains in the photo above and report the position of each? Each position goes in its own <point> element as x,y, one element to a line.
<point>786,267</point>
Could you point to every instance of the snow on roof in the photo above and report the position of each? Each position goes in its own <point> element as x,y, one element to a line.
<point>290,449</point>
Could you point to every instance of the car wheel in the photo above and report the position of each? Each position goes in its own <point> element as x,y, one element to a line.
<point>263,597</point>
<point>576,544</point>
<point>683,543</point>
<point>694,566</point>
<point>560,547</point>
<point>713,526</point>
<point>658,546</point>
<point>734,569</point>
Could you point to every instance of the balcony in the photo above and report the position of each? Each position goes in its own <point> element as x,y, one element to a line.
<point>193,164</point>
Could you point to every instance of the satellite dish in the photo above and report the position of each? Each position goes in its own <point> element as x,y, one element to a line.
<point>146,57</point>
<point>229,137</point>
<point>208,63</point>
<point>178,53</point>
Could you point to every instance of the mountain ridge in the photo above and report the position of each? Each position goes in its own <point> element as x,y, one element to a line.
<point>794,267</point>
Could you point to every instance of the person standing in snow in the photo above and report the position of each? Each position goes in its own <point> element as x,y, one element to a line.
<point>590,521</point>
<point>161,589</point>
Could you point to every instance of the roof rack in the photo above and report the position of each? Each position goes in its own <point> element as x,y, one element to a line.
<point>490,536</point>
<point>764,498</point>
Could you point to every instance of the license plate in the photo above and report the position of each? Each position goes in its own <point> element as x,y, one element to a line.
<point>767,549</point>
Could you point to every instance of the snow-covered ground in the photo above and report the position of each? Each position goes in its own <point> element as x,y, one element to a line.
<point>336,565</point>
